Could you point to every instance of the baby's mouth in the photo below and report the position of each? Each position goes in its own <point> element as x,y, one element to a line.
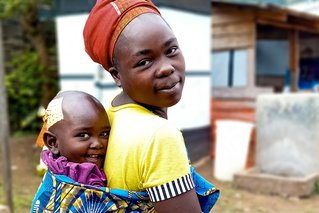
<point>94,158</point>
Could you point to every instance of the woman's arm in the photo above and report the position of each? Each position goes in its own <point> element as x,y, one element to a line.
<point>166,172</point>
<point>186,203</point>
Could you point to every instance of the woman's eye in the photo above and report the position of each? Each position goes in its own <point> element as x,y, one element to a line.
<point>171,51</point>
<point>143,63</point>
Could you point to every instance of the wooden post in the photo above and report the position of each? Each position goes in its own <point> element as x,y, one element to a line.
<point>294,59</point>
<point>251,57</point>
<point>4,131</point>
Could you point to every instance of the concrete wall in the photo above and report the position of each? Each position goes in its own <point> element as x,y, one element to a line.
<point>287,134</point>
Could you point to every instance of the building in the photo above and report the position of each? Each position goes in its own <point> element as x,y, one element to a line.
<point>258,49</point>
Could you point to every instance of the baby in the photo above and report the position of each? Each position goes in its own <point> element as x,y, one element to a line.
<point>75,131</point>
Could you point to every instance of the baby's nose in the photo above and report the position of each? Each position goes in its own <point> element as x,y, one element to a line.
<point>96,144</point>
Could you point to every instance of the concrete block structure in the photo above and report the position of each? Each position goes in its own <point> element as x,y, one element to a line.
<point>287,134</point>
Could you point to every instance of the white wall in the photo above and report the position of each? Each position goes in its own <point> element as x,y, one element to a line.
<point>193,34</point>
<point>78,71</point>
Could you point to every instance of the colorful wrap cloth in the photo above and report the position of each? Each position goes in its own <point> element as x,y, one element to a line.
<point>105,23</point>
<point>58,193</point>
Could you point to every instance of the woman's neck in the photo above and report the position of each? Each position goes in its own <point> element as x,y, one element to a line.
<point>123,98</point>
<point>162,112</point>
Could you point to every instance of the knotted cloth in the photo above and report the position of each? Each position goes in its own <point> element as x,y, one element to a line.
<point>53,114</point>
<point>105,23</point>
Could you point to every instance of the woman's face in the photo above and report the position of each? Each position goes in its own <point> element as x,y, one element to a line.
<point>149,63</point>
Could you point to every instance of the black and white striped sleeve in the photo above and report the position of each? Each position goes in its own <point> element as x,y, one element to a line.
<point>171,189</point>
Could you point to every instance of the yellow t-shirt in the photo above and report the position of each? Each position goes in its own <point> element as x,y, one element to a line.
<point>144,151</point>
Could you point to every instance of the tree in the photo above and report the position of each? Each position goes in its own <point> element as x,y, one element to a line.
<point>27,12</point>
<point>4,131</point>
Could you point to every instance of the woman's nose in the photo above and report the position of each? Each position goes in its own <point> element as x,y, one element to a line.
<point>165,69</point>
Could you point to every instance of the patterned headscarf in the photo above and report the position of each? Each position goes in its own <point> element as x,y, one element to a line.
<point>52,114</point>
<point>105,23</point>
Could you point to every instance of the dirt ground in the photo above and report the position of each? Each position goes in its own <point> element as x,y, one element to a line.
<point>25,182</point>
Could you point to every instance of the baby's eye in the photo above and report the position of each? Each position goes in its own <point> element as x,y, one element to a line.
<point>83,135</point>
<point>105,134</point>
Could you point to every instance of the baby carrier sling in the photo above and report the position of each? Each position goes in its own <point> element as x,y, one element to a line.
<point>58,193</point>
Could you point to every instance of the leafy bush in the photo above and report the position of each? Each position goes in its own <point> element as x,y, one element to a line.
<point>23,85</point>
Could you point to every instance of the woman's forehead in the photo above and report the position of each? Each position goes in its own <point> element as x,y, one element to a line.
<point>140,27</point>
<point>142,23</point>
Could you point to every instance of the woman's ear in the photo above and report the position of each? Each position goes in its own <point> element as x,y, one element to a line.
<point>50,141</point>
<point>115,75</point>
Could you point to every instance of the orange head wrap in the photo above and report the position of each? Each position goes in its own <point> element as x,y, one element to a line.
<point>105,23</point>
<point>52,115</point>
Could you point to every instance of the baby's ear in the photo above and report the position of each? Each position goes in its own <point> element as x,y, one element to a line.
<point>50,141</point>
<point>115,75</point>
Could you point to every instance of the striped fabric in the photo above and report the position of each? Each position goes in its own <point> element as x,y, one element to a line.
<point>171,189</point>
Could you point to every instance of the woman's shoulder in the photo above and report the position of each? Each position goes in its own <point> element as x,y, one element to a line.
<point>134,112</point>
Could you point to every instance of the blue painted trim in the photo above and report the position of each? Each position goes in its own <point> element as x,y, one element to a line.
<point>105,85</point>
<point>112,85</point>
<point>101,85</point>
<point>197,73</point>
<point>91,77</point>
<point>76,77</point>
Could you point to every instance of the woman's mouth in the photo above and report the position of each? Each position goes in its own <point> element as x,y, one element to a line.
<point>169,88</point>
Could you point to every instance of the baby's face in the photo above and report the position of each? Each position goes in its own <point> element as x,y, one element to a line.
<point>84,134</point>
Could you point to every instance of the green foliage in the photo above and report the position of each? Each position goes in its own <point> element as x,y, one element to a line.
<point>316,187</point>
<point>9,8</point>
<point>12,7</point>
<point>23,85</point>
<point>24,81</point>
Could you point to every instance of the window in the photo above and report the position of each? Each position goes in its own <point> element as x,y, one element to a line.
<point>229,68</point>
